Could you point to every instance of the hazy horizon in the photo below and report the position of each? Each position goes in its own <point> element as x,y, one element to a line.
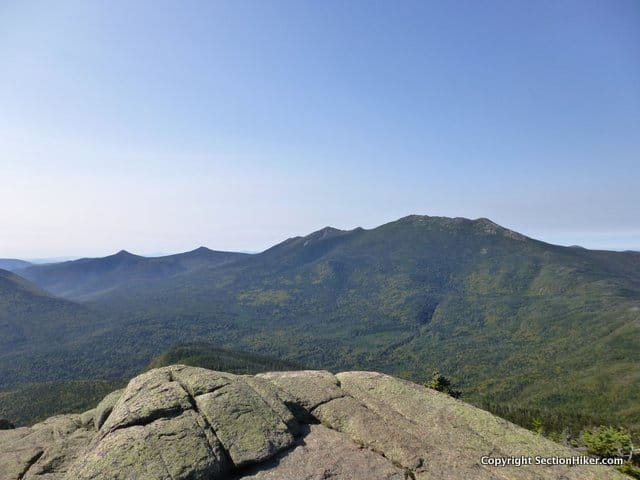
<point>597,242</point>
<point>157,127</point>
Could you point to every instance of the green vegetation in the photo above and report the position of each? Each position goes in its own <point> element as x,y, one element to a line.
<point>629,468</point>
<point>442,384</point>
<point>511,320</point>
<point>590,434</point>
<point>31,320</point>
<point>612,442</point>
<point>221,359</point>
<point>607,441</point>
<point>33,403</point>
<point>557,424</point>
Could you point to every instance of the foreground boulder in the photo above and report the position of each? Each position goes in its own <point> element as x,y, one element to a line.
<point>179,423</point>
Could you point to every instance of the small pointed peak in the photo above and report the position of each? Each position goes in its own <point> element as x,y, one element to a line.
<point>201,250</point>
<point>328,229</point>
<point>123,254</point>
<point>323,233</point>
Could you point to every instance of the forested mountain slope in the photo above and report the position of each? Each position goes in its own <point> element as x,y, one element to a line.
<point>510,319</point>
<point>31,319</point>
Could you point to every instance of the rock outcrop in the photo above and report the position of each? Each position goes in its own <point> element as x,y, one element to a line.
<point>179,423</point>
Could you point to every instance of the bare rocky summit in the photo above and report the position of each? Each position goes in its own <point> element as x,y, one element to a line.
<point>179,423</point>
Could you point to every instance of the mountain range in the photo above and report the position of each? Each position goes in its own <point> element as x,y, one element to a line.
<point>510,319</point>
<point>87,277</point>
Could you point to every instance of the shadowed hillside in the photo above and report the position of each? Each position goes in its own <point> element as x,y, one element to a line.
<point>33,320</point>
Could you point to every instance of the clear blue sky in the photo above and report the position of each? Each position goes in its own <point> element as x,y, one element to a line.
<point>159,126</point>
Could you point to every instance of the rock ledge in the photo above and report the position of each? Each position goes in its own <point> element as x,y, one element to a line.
<point>179,423</point>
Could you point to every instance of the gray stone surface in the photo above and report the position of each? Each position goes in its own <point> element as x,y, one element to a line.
<point>87,419</point>
<point>198,381</point>
<point>309,388</point>
<point>250,430</point>
<point>363,426</point>
<point>279,401</point>
<point>44,450</point>
<point>167,448</point>
<point>185,423</point>
<point>149,396</point>
<point>453,435</point>
<point>60,454</point>
<point>104,408</point>
<point>324,453</point>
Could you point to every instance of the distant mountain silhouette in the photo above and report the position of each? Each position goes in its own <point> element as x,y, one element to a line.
<point>88,277</point>
<point>13,264</point>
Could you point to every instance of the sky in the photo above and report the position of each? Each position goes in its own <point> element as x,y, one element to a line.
<point>160,126</point>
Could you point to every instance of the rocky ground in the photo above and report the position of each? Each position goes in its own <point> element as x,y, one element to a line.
<point>179,423</point>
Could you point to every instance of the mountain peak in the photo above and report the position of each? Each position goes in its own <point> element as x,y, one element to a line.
<point>201,250</point>
<point>325,232</point>
<point>124,253</point>
<point>480,225</point>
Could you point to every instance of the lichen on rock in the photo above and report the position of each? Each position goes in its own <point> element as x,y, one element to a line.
<point>179,423</point>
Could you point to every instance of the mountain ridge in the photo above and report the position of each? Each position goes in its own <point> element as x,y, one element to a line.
<point>83,278</point>
<point>13,264</point>
<point>509,318</point>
